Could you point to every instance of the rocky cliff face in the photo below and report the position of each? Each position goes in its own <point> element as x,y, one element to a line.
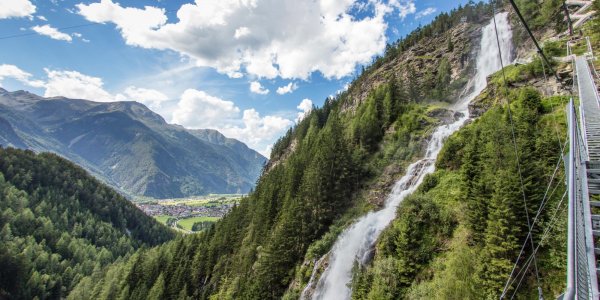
<point>422,60</point>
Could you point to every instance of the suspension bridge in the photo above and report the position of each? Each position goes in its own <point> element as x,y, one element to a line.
<point>582,166</point>
<point>584,175</point>
<point>583,184</point>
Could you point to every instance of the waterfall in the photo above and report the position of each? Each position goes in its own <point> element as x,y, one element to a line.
<point>356,242</point>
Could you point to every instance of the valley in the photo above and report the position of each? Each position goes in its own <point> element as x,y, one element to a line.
<point>129,147</point>
<point>440,165</point>
<point>184,213</point>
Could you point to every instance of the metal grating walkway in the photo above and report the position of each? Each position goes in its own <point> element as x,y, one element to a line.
<point>584,186</point>
<point>589,108</point>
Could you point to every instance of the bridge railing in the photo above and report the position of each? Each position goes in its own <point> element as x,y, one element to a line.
<point>581,264</point>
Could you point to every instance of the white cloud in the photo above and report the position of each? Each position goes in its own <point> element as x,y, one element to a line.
<point>52,32</point>
<point>11,71</point>
<point>258,132</point>
<point>42,18</point>
<point>254,36</point>
<point>241,32</point>
<point>406,7</point>
<point>14,72</point>
<point>72,84</point>
<point>257,88</point>
<point>343,89</point>
<point>426,12</point>
<point>76,34</point>
<point>16,8</point>
<point>197,109</point>
<point>289,88</point>
<point>149,97</point>
<point>306,107</point>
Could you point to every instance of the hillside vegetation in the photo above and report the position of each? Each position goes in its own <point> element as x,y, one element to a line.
<point>316,183</point>
<point>459,235</point>
<point>456,238</point>
<point>65,235</point>
<point>58,224</point>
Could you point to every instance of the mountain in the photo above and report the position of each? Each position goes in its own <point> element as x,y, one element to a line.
<point>456,237</point>
<point>58,224</point>
<point>453,192</point>
<point>129,146</point>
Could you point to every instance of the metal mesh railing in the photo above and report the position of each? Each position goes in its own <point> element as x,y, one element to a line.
<point>581,264</point>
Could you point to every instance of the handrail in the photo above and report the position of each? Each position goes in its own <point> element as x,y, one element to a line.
<point>571,259</point>
<point>592,58</point>
<point>582,281</point>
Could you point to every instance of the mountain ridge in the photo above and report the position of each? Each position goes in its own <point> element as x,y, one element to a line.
<point>129,146</point>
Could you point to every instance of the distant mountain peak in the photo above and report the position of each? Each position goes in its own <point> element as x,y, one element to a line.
<point>129,146</point>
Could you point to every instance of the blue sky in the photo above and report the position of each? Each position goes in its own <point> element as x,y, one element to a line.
<point>249,68</point>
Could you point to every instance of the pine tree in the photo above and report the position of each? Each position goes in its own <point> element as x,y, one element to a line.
<point>158,289</point>
<point>389,105</point>
<point>443,78</point>
<point>501,243</point>
<point>413,85</point>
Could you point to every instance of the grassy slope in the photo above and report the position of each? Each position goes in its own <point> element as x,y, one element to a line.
<point>189,222</point>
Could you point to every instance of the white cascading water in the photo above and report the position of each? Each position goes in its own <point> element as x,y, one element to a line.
<point>356,242</point>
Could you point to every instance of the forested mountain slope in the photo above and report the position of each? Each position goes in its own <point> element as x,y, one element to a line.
<point>455,238</point>
<point>129,146</point>
<point>58,224</point>
<point>322,175</point>
<point>458,236</point>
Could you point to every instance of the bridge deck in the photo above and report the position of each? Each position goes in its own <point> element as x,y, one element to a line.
<point>584,185</point>
<point>588,97</point>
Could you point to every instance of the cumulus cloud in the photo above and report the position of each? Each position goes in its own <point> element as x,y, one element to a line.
<point>197,109</point>
<point>286,89</point>
<point>306,107</point>
<point>406,8</point>
<point>16,8</point>
<point>52,33</point>
<point>255,36</point>
<point>72,84</point>
<point>69,84</point>
<point>241,32</point>
<point>14,72</point>
<point>426,12</point>
<point>149,97</point>
<point>258,132</point>
<point>257,88</point>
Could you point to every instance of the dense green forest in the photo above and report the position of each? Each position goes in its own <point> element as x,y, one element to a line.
<point>457,237</point>
<point>460,234</point>
<point>306,196</point>
<point>252,251</point>
<point>59,224</point>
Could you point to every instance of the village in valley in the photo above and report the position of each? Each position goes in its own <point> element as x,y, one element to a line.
<point>189,214</point>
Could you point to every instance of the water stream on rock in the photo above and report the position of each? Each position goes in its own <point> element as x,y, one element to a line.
<point>357,241</point>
